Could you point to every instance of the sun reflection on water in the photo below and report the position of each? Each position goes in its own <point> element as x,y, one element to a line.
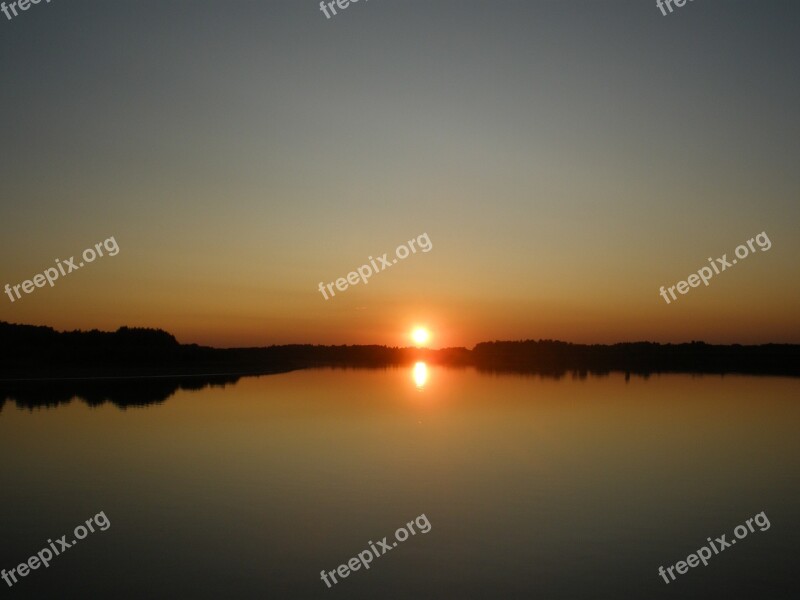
<point>420,374</point>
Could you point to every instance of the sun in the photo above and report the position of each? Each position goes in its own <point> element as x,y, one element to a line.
<point>420,335</point>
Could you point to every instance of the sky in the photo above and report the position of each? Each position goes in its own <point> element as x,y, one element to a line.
<point>566,159</point>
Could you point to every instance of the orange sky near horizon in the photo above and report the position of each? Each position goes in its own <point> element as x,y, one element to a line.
<point>564,165</point>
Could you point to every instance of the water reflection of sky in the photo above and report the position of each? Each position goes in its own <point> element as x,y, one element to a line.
<point>564,489</point>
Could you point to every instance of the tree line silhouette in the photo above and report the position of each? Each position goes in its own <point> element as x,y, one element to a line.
<point>134,366</point>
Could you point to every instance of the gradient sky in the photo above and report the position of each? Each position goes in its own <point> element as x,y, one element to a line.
<point>566,158</point>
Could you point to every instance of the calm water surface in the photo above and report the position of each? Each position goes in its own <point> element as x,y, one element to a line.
<point>534,487</point>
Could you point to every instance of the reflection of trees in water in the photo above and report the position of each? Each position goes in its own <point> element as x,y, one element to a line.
<point>122,392</point>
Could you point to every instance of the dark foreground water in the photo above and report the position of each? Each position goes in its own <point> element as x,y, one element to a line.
<point>533,488</point>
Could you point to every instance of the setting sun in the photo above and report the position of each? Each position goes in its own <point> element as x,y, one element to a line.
<point>420,335</point>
